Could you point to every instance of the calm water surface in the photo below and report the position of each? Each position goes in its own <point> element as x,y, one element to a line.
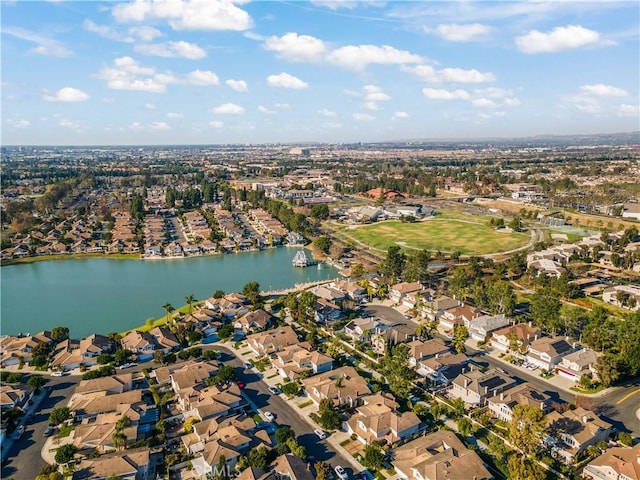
<point>105,295</point>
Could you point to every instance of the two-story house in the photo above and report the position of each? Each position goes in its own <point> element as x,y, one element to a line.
<point>475,386</point>
<point>618,463</point>
<point>570,433</point>
<point>292,360</point>
<point>327,313</point>
<point>438,455</point>
<point>547,352</point>
<point>271,341</point>
<point>253,321</point>
<point>578,363</point>
<point>343,386</point>
<point>501,405</point>
<point>481,327</point>
<point>515,338</point>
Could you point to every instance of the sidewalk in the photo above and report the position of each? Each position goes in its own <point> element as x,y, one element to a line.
<point>51,444</point>
<point>557,381</point>
<point>28,412</point>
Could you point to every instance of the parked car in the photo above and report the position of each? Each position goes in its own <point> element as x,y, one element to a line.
<point>18,432</point>
<point>240,384</point>
<point>57,374</point>
<point>269,416</point>
<point>341,472</point>
<point>248,365</point>
<point>274,390</point>
<point>320,433</point>
<point>49,431</point>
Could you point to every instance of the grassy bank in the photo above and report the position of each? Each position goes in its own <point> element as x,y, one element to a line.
<point>42,258</point>
<point>163,320</point>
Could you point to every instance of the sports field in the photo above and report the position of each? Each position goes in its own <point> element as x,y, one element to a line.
<point>444,234</point>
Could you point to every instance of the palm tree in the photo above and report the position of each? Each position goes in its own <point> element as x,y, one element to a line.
<point>168,308</point>
<point>189,300</point>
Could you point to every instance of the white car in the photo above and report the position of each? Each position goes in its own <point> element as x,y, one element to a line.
<point>320,433</point>
<point>269,416</point>
<point>274,390</point>
<point>57,374</point>
<point>341,472</point>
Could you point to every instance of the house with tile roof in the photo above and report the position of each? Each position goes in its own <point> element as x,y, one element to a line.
<point>440,455</point>
<point>501,405</point>
<point>619,463</point>
<point>343,386</point>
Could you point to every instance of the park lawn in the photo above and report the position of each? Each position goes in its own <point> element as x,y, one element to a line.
<point>443,234</point>
<point>163,320</point>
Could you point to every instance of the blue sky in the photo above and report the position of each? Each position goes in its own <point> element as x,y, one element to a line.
<point>228,71</point>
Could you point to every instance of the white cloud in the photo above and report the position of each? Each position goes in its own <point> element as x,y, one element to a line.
<point>67,94</point>
<point>327,113</point>
<point>187,14</point>
<point>66,123</point>
<point>346,4</point>
<point>216,124</point>
<point>483,103</point>
<point>150,106</point>
<point>265,110</point>
<point>237,85</point>
<point>106,32</point>
<point>363,117</point>
<point>430,74</point>
<point>284,80</point>
<point>282,106</point>
<point>20,123</point>
<point>108,100</point>
<point>557,40</point>
<point>200,77</point>
<point>470,32</point>
<point>160,126</point>
<point>172,49</point>
<point>602,90</point>
<point>145,33</point>
<point>228,109</point>
<point>296,48</point>
<point>127,74</point>
<point>400,115</point>
<point>174,115</point>
<point>357,57</point>
<point>45,46</point>
<point>373,95</point>
<point>626,110</point>
<point>441,94</point>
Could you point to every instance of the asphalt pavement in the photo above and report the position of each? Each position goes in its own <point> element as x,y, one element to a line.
<point>24,460</point>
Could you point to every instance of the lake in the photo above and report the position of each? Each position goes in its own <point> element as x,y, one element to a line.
<point>102,295</point>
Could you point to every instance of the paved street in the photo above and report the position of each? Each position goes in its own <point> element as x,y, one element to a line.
<point>256,390</point>
<point>24,460</point>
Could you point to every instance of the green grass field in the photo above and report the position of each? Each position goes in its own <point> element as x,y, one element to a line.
<point>444,234</point>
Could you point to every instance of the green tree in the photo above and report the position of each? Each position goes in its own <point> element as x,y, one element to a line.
<point>307,306</point>
<point>394,262</point>
<point>59,415</point>
<point>123,355</point>
<point>36,381</point>
<point>58,334</point>
<point>189,300</point>
<point>330,420</point>
<point>291,389</point>
<point>284,433</point>
<point>323,244</point>
<point>373,457</point>
<point>524,468</point>
<point>502,299</point>
<point>168,308</point>
<point>459,283</point>
<point>259,458</point>
<point>395,368</point>
<point>104,358</point>
<point>225,374</point>
<point>460,335</point>
<point>465,427</point>
<point>357,271</point>
<point>545,309</point>
<point>320,211</point>
<point>188,424</point>
<point>526,428</point>
<point>608,368</point>
<point>65,453</point>
<point>323,471</point>
<point>251,290</point>
<point>225,332</point>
